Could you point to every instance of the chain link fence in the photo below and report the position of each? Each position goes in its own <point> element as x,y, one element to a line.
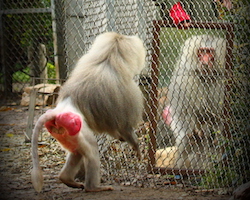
<point>195,83</point>
<point>26,44</point>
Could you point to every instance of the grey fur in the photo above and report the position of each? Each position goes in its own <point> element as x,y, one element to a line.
<point>101,91</point>
<point>102,86</point>
<point>196,102</point>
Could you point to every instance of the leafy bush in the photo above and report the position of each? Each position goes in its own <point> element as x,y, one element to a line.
<point>22,76</point>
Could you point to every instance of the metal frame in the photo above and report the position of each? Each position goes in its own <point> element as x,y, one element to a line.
<point>153,100</point>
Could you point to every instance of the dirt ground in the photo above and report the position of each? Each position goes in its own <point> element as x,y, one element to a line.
<point>15,166</point>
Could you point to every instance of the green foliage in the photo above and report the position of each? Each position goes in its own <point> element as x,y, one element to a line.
<point>24,31</point>
<point>240,90</point>
<point>21,76</point>
<point>235,169</point>
<point>27,4</point>
<point>51,72</point>
<point>219,177</point>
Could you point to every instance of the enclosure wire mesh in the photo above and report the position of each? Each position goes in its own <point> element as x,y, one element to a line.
<point>208,130</point>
